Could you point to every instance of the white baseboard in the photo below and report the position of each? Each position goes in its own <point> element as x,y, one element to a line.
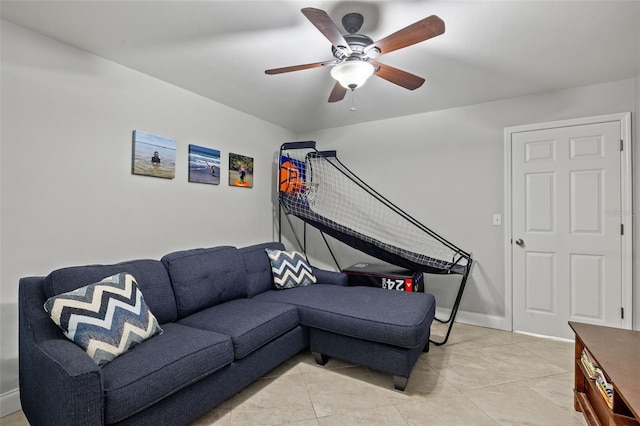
<point>474,318</point>
<point>10,402</point>
<point>544,336</point>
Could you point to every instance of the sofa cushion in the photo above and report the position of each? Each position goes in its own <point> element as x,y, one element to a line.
<point>392,317</point>
<point>258,267</point>
<point>290,269</point>
<point>249,322</point>
<point>151,276</point>
<point>160,367</point>
<point>106,319</point>
<point>205,277</point>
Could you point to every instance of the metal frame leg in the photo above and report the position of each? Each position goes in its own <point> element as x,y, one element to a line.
<point>456,305</point>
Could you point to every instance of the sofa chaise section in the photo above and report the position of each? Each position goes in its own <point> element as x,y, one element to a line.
<point>381,329</point>
<point>356,324</point>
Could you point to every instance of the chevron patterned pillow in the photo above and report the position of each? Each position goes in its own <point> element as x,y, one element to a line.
<point>290,269</point>
<point>105,318</point>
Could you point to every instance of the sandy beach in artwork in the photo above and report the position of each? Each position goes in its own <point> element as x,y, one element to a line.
<point>203,175</point>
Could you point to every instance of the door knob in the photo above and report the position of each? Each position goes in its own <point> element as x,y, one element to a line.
<point>519,242</point>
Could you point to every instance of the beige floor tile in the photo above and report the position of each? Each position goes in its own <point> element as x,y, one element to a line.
<point>557,352</point>
<point>424,382</point>
<point>467,370</point>
<point>517,404</point>
<point>470,337</point>
<point>273,401</point>
<point>557,388</point>
<point>379,416</point>
<point>14,419</point>
<point>444,410</point>
<point>308,422</point>
<point>347,390</point>
<point>519,363</point>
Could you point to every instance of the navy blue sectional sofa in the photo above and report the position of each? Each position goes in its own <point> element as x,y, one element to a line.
<point>224,326</point>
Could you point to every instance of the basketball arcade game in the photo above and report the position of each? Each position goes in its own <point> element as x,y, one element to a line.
<point>317,188</point>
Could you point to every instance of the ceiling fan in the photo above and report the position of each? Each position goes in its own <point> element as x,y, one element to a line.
<point>355,53</point>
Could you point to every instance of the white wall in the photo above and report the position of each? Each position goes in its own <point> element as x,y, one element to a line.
<point>636,203</point>
<point>68,195</point>
<point>445,168</point>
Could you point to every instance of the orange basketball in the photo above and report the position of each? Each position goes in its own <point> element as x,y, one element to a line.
<point>290,179</point>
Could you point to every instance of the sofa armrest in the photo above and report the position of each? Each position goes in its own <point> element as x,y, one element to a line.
<point>59,383</point>
<point>330,277</point>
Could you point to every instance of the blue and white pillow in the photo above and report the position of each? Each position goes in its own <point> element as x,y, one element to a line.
<point>106,318</point>
<point>290,269</point>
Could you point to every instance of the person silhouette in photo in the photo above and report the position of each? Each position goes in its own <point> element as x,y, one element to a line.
<point>156,158</point>
<point>212,167</point>
<point>243,173</point>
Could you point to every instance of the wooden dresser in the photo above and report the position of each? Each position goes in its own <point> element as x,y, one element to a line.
<point>617,353</point>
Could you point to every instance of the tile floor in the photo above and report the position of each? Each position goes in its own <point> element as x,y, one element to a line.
<point>480,377</point>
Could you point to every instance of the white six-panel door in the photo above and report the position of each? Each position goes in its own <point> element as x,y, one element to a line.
<point>566,228</point>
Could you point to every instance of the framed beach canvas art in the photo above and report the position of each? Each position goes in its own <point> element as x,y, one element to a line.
<point>204,165</point>
<point>240,170</point>
<point>153,155</point>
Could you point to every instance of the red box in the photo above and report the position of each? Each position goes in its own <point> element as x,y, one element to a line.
<point>384,275</point>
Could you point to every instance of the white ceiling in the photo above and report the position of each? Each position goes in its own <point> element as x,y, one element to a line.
<point>219,49</point>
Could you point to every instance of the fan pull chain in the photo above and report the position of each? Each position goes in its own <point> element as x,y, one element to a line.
<point>353,102</point>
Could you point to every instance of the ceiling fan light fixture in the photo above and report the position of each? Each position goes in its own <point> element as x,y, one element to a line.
<point>352,74</point>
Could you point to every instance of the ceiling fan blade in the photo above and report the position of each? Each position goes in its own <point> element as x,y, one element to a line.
<point>399,77</point>
<point>338,93</point>
<point>298,67</point>
<point>422,30</point>
<point>327,27</point>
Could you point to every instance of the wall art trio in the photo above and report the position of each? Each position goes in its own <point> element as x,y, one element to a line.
<point>155,156</point>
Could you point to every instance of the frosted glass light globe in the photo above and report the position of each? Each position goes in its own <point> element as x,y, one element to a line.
<point>352,74</point>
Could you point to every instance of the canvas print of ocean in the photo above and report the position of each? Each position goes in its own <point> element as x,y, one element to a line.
<point>153,155</point>
<point>204,165</point>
